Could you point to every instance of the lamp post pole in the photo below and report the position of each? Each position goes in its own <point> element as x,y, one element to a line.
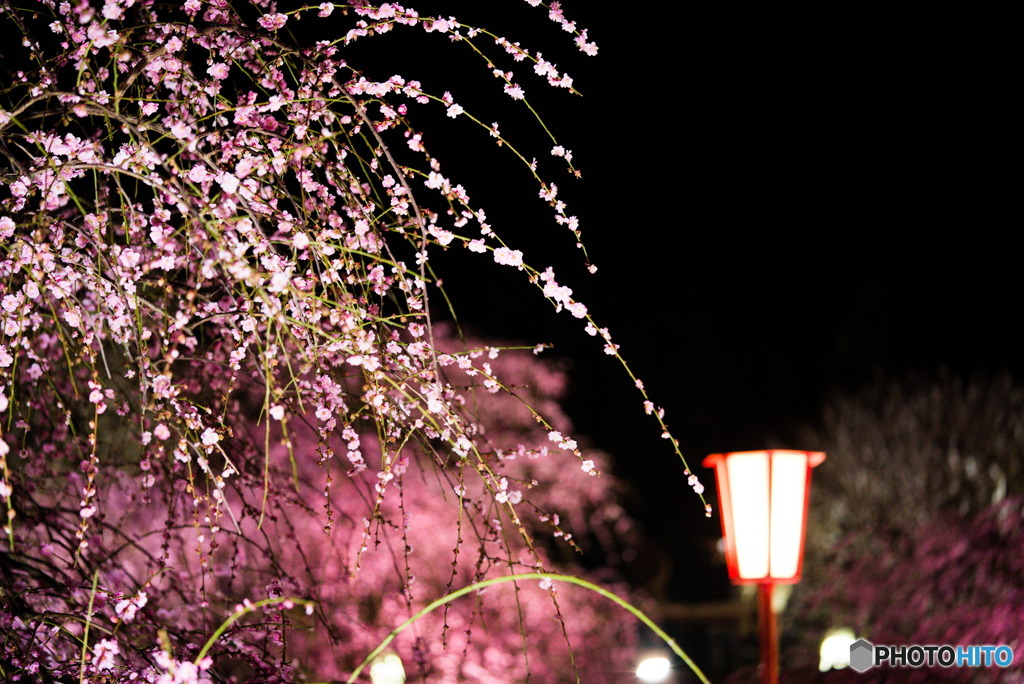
<point>769,634</point>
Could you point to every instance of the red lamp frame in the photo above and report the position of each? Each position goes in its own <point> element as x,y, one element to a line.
<point>774,464</point>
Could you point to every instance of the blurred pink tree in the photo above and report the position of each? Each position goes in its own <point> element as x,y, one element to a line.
<point>399,536</point>
<point>915,529</point>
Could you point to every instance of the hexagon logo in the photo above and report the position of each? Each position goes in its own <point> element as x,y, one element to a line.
<point>862,655</point>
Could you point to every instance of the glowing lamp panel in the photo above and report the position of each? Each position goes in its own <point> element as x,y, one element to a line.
<point>789,482</point>
<point>747,476</point>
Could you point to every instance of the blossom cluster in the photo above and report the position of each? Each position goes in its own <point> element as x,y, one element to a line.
<point>220,377</point>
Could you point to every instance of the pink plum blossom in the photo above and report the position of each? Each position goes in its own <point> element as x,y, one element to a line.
<point>218,71</point>
<point>273,22</point>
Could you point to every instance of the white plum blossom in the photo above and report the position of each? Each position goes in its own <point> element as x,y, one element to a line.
<point>228,182</point>
<point>210,437</point>
<point>125,609</point>
<point>514,91</point>
<point>103,654</point>
<point>508,257</point>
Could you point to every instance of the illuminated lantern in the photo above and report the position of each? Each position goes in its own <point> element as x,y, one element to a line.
<point>763,497</point>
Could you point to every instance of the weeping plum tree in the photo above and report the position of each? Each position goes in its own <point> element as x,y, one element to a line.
<point>234,442</point>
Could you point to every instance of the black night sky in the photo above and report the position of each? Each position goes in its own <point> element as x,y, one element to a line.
<point>778,209</point>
